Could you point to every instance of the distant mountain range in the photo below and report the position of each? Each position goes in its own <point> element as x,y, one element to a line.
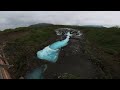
<point>98,26</point>
<point>49,24</point>
<point>41,25</point>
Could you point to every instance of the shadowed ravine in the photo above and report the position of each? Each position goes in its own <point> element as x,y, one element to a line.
<point>73,60</point>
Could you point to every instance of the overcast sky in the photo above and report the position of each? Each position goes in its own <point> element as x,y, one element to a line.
<point>12,19</point>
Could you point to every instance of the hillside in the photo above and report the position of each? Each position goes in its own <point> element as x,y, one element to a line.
<point>99,48</point>
<point>41,25</point>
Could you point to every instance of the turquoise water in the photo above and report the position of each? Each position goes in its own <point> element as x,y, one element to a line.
<point>37,73</point>
<point>51,52</point>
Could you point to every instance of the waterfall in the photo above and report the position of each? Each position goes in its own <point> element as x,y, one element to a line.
<point>51,52</point>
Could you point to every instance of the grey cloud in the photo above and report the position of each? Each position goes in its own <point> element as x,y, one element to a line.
<point>12,19</point>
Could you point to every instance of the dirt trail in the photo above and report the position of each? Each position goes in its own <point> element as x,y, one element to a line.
<point>4,74</point>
